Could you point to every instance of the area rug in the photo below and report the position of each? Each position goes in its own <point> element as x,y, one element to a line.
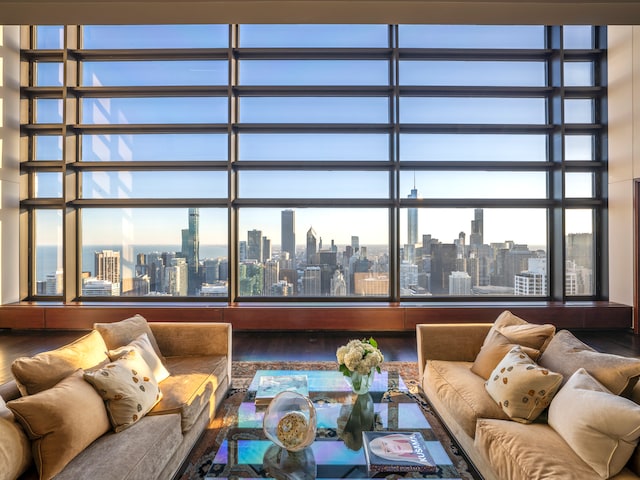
<point>200,458</point>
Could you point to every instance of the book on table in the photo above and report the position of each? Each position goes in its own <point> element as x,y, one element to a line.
<point>270,385</point>
<point>397,452</point>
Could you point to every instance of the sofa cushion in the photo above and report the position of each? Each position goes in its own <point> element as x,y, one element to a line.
<point>566,354</point>
<point>128,387</point>
<point>125,331</point>
<point>143,346</point>
<point>15,449</point>
<point>602,428</point>
<point>189,388</point>
<point>522,388</point>
<point>493,350</point>
<point>463,392</point>
<point>61,422</point>
<point>521,452</point>
<point>44,370</point>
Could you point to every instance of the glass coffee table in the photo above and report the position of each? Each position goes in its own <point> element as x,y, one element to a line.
<point>337,450</point>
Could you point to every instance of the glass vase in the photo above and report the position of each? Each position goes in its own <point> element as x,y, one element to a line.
<point>360,383</point>
<point>290,421</point>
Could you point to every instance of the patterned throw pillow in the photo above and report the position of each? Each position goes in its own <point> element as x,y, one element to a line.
<point>522,388</point>
<point>128,387</point>
<point>144,348</point>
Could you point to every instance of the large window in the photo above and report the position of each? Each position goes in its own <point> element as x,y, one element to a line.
<point>314,162</point>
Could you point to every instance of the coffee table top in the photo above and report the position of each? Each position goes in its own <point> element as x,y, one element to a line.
<point>337,450</point>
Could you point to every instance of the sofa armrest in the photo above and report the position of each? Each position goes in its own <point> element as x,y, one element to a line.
<point>449,341</point>
<point>176,339</point>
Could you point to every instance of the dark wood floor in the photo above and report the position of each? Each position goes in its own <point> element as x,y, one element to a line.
<point>268,346</point>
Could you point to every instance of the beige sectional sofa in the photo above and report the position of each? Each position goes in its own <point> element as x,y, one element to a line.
<point>583,424</point>
<point>69,415</point>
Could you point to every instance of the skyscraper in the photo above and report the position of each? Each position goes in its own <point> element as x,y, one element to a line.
<point>288,232</point>
<point>254,245</point>
<point>477,228</point>
<point>412,217</point>
<point>107,264</point>
<point>312,246</point>
<point>191,250</point>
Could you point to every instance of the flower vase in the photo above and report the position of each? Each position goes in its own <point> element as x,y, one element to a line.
<point>360,383</point>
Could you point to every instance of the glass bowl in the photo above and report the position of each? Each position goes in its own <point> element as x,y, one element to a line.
<point>290,421</point>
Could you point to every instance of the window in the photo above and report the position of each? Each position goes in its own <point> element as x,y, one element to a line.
<point>314,162</point>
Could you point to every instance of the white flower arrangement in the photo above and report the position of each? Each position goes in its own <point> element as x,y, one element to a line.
<point>359,356</point>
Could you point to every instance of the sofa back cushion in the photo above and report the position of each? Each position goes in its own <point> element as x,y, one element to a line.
<point>44,370</point>
<point>566,354</point>
<point>15,449</point>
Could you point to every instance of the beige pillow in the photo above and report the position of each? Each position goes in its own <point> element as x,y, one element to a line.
<point>42,371</point>
<point>15,450</point>
<point>522,388</point>
<point>144,348</point>
<point>495,347</point>
<point>602,428</point>
<point>128,387</point>
<point>118,334</point>
<point>566,354</point>
<point>61,422</point>
<point>523,333</point>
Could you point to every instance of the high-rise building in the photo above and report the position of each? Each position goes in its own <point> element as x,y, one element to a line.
<point>107,263</point>
<point>288,232</point>
<point>355,244</point>
<point>412,219</point>
<point>191,250</point>
<point>312,246</point>
<point>477,228</point>
<point>266,249</point>
<point>459,283</point>
<point>254,245</point>
<point>312,281</point>
<point>271,276</point>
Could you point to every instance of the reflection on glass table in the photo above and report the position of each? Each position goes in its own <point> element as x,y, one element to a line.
<point>341,416</point>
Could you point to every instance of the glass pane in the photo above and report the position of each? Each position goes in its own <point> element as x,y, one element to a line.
<point>313,184</point>
<point>155,36</point>
<point>154,184</point>
<point>48,184</point>
<point>49,74</point>
<point>578,74</point>
<point>314,110</point>
<point>155,252</point>
<point>314,72</point>
<point>577,37</point>
<point>48,258</point>
<point>313,146</point>
<point>461,184</point>
<point>471,36</point>
<point>578,110</point>
<point>578,147</point>
<point>473,147</point>
<point>124,111</point>
<point>472,110</point>
<point>49,37</point>
<point>314,36</point>
<point>48,110</point>
<point>153,73</point>
<point>154,147</point>
<point>579,273</point>
<point>339,252</point>
<point>579,185</point>
<point>467,73</point>
<point>48,147</point>
<point>473,252</point>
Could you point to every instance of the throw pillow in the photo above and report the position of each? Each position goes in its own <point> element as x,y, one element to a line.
<point>523,333</point>
<point>566,354</point>
<point>143,346</point>
<point>61,422</point>
<point>495,347</point>
<point>128,387</point>
<point>602,428</point>
<point>15,450</point>
<point>120,333</point>
<point>44,370</point>
<point>522,388</point>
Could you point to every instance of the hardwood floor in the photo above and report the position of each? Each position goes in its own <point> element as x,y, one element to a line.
<point>267,346</point>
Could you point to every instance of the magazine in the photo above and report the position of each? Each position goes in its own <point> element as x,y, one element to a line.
<point>271,385</point>
<point>397,452</point>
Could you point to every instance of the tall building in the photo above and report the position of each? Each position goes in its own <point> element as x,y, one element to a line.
<point>477,228</point>
<point>191,250</point>
<point>459,283</point>
<point>266,249</point>
<point>312,246</point>
<point>271,276</point>
<point>412,219</point>
<point>312,281</point>
<point>355,244</point>
<point>288,232</point>
<point>107,264</point>
<point>254,245</point>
